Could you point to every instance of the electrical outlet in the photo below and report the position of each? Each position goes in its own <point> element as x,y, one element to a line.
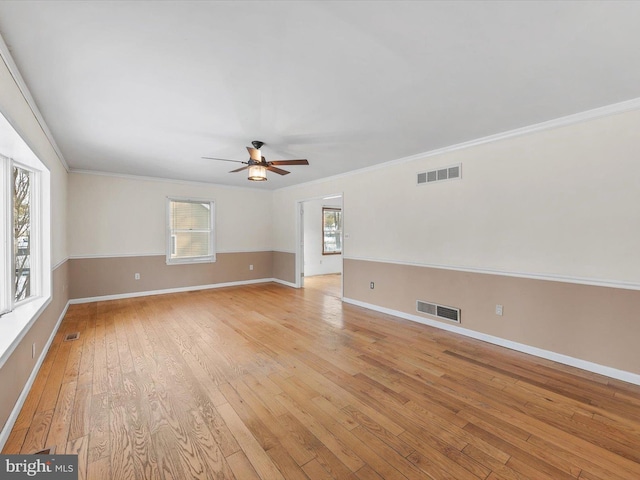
<point>250,267</point>
<point>372,285</point>
<point>137,276</point>
<point>499,310</point>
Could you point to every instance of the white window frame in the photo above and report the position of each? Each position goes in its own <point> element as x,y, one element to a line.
<point>35,237</point>
<point>170,236</point>
<point>18,317</point>
<point>174,245</point>
<point>6,245</point>
<point>7,295</point>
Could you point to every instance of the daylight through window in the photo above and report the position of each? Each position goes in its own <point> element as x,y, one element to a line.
<point>22,180</point>
<point>331,231</point>
<point>190,231</point>
<point>20,243</point>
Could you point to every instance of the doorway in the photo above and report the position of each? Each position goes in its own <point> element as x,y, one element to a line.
<point>319,242</point>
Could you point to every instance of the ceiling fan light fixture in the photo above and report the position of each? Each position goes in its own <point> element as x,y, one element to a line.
<point>257,173</point>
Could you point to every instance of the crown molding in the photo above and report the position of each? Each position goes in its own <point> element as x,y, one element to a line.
<point>593,114</point>
<point>24,90</point>
<point>143,178</point>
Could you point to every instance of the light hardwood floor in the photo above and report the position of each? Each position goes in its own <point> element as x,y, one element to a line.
<point>269,382</point>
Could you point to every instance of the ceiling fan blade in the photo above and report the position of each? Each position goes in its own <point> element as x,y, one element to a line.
<point>279,171</point>
<point>254,154</point>
<point>289,162</point>
<point>223,159</point>
<point>239,169</point>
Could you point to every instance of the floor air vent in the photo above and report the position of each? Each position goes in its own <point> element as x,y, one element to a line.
<point>440,311</point>
<point>440,174</point>
<point>71,336</point>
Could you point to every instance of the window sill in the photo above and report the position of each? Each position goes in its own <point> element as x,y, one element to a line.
<point>15,325</point>
<point>183,261</point>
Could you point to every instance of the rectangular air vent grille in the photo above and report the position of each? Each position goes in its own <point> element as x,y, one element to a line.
<point>69,337</point>
<point>447,173</point>
<point>440,311</point>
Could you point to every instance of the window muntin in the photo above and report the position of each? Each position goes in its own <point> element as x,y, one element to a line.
<point>331,231</point>
<point>190,229</point>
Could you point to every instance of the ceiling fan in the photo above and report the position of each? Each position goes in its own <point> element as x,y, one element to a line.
<point>258,166</point>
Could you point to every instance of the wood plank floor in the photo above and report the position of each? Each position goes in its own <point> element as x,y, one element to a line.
<point>269,382</point>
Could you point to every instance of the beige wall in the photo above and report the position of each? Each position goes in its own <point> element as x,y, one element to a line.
<point>16,370</point>
<point>117,227</point>
<point>558,204</point>
<point>95,277</point>
<point>284,266</point>
<point>596,324</point>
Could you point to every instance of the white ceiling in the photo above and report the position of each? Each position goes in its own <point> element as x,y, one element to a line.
<point>148,88</point>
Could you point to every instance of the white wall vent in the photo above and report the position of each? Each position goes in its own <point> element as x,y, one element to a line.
<point>440,311</point>
<point>452,172</point>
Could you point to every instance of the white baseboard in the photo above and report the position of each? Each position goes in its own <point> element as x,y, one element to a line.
<point>520,347</point>
<point>4,434</point>
<point>8,426</point>
<point>147,293</point>
<point>288,284</point>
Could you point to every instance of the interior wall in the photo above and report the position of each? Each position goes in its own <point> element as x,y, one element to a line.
<point>284,267</point>
<point>118,216</point>
<point>106,276</point>
<point>596,324</point>
<point>15,372</point>
<point>558,204</point>
<point>117,227</point>
<point>315,263</point>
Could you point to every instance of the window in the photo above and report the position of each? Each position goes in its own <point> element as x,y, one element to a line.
<point>190,231</point>
<point>20,260</point>
<point>22,202</point>
<point>331,231</point>
<point>25,230</point>
<point>25,238</point>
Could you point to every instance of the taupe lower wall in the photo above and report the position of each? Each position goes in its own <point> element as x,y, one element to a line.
<point>96,277</point>
<point>18,367</point>
<point>284,266</point>
<point>596,324</point>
